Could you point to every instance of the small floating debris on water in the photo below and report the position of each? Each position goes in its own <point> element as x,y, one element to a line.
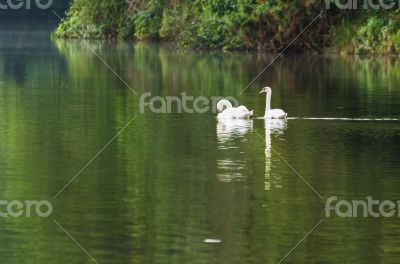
<point>212,241</point>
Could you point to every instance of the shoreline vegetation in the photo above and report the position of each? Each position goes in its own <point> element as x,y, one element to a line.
<point>265,26</point>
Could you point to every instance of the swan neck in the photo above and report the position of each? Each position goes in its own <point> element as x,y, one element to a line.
<point>268,102</point>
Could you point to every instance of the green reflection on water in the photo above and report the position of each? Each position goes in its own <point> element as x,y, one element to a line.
<point>169,182</point>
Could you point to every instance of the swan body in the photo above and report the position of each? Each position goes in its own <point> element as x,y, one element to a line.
<point>235,113</point>
<point>275,114</point>
<point>227,111</point>
<point>272,113</point>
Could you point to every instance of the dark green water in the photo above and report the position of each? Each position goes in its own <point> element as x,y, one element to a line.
<point>168,182</point>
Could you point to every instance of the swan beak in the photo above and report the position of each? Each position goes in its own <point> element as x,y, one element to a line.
<point>262,91</point>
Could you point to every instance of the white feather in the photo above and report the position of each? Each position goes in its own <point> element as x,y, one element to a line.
<point>230,112</point>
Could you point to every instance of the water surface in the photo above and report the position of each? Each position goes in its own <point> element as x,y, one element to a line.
<point>170,181</point>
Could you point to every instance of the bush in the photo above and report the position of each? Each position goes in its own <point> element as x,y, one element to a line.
<point>148,22</point>
<point>230,24</point>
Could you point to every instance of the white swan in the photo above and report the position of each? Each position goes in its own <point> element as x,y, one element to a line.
<point>272,113</point>
<point>227,111</point>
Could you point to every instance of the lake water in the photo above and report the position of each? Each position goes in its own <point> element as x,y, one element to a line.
<point>169,184</point>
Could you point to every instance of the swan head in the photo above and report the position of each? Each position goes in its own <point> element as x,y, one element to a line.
<point>266,90</point>
<point>223,104</point>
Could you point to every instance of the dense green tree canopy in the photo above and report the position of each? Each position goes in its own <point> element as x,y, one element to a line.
<point>250,24</point>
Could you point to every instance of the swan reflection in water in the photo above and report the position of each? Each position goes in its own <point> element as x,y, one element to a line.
<point>230,133</point>
<point>272,127</point>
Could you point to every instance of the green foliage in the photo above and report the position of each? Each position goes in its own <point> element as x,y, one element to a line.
<point>211,32</point>
<point>148,21</point>
<point>169,27</point>
<point>235,24</point>
<point>95,19</point>
<point>372,33</point>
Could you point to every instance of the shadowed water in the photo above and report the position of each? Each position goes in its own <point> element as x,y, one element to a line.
<point>170,183</point>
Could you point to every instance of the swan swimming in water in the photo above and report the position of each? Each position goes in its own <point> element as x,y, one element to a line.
<point>227,111</point>
<point>272,113</point>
